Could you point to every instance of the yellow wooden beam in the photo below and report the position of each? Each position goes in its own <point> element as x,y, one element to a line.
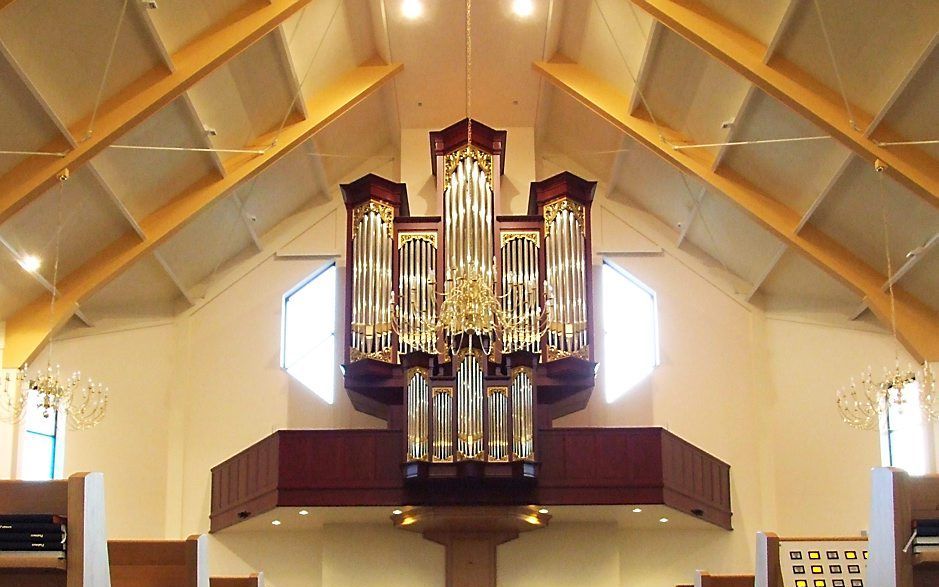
<point>796,89</point>
<point>145,96</point>
<point>917,325</point>
<point>31,327</point>
<point>5,3</point>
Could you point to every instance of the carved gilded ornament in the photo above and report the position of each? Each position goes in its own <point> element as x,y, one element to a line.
<point>406,237</point>
<point>529,235</point>
<point>443,391</point>
<point>383,355</point>
<point>498,390</point>
<point>552,209</point>
<point>581,353</point>
<point>384,211</point>
<point>422,371</point>
<point>451,161</point>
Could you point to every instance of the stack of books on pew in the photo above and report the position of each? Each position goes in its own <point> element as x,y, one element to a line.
<point>32,536</point>
<point>925,540</point>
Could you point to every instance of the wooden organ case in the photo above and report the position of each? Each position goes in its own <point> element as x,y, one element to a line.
<point>470,330</point>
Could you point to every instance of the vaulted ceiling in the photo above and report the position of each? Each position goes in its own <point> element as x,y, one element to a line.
<point>287,98</point>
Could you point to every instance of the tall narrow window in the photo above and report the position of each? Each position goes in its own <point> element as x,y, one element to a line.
<point>630,331</point>
<point>40,452</point>
<point>905,437</point>
<point>309,333</point>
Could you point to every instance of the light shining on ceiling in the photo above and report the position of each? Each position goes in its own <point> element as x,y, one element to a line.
<point>523,8</point>
<point>412,9</point>
<point>30,263</point>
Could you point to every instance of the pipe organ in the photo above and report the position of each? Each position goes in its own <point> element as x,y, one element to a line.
<point>472,329</point>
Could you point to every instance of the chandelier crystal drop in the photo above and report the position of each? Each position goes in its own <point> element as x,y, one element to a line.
<point>864,404</point>
<point>83,404</point>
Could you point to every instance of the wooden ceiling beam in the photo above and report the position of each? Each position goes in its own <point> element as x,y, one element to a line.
<point>31,326</point>
<point>918,326</point>
<point>795,88</point>
<point>144,97</point>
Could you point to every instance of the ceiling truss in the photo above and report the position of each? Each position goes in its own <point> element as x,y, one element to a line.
<point>917,325</point>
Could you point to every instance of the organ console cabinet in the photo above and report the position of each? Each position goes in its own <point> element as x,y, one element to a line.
<point>472,328</point>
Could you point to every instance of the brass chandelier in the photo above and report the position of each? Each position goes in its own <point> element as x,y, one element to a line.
<point>83,404</point>
<point>863,405</point>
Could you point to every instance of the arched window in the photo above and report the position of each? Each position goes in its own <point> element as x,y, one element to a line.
<point>630,331</point>
<point>905,439</point>
<point>309,332</point>
<point>41,450</point>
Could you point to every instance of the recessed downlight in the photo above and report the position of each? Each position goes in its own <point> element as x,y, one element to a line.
<point>412,9</point>
<point>275,523</point>
<point>31,263</point>
<point>523,8</point>
<point>637,510</point>
<point>663,520</point>
<point>304,513</point>
<point>543,511</point>
<point>396,512</point>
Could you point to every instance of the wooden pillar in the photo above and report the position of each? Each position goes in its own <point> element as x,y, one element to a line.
<point>471,536</point>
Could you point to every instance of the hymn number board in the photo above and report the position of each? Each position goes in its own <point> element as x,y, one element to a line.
<point>841,563</point>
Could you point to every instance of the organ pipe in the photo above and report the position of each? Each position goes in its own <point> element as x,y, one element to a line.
<point>520,299</point>
<point>371,281</point>
<point>522,414</point>
<point>418,406</point>
<point>469,392</point>
<point>443,424</point>
<point>417,261</point>
<point>498,424</point>
<point>566,270</point>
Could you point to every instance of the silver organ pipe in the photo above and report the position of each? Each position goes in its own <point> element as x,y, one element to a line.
<point>523,424</point>
<point>371,283</point>
<point>469,392</point>
<point>468,211</point>
<point>443,424</point>
<point>520,300</point>
<point>418,415</point>
<point>566,271</point>
<point>498,449</point>
<point>417,259</point>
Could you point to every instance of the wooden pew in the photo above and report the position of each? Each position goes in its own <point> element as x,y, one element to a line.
<point>81,499</point>
<point>705,579</point>
<point>159,563</point>
<point>254,580</point>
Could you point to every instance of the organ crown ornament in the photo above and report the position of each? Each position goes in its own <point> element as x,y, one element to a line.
<point>469,327</point>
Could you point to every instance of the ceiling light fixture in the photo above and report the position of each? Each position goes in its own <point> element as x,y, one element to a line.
<point>523,8</point>
<point>304,513</point>
<point>275,523</point>
<point>30,263</point>
<point>82,404</point>
<point>412,9</point>
<point>543,511</point>
<point>663,520</point>
<point>396,512</point>
<point>637,510</point>
<point>866,404</point>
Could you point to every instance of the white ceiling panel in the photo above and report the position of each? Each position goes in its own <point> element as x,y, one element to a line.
<point>798,285</point>
<point>581,135</point>
<point>25,126</point>
<point>89,221</point>
<point>179,22</point>
<point>915,114</point>
<point>17,287</point>
<point>875,43</point>
<point>923,280</point>
<point>853,211</point>
<point>758,18</point>
<point>143,291</point>
<point>205,244</point>
<point>145,180</point>
<point>64,48</point>
<point>327,39</point>
<point>729,235</point>
<point>655,185</point>
<point>793,173</point>
<point>696,98</point>
<point>245,98</point>
<point>280,191</point>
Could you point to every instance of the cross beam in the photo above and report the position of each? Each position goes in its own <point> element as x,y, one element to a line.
<point>796,89</point>
<point>144,97</point>
<point>917,325</point>
<point>31,326</point>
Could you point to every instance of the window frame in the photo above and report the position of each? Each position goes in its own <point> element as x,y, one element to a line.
<point>888,438</point>
<point>319,272</point>
<point>656,340</point>
<point>22,432</point>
